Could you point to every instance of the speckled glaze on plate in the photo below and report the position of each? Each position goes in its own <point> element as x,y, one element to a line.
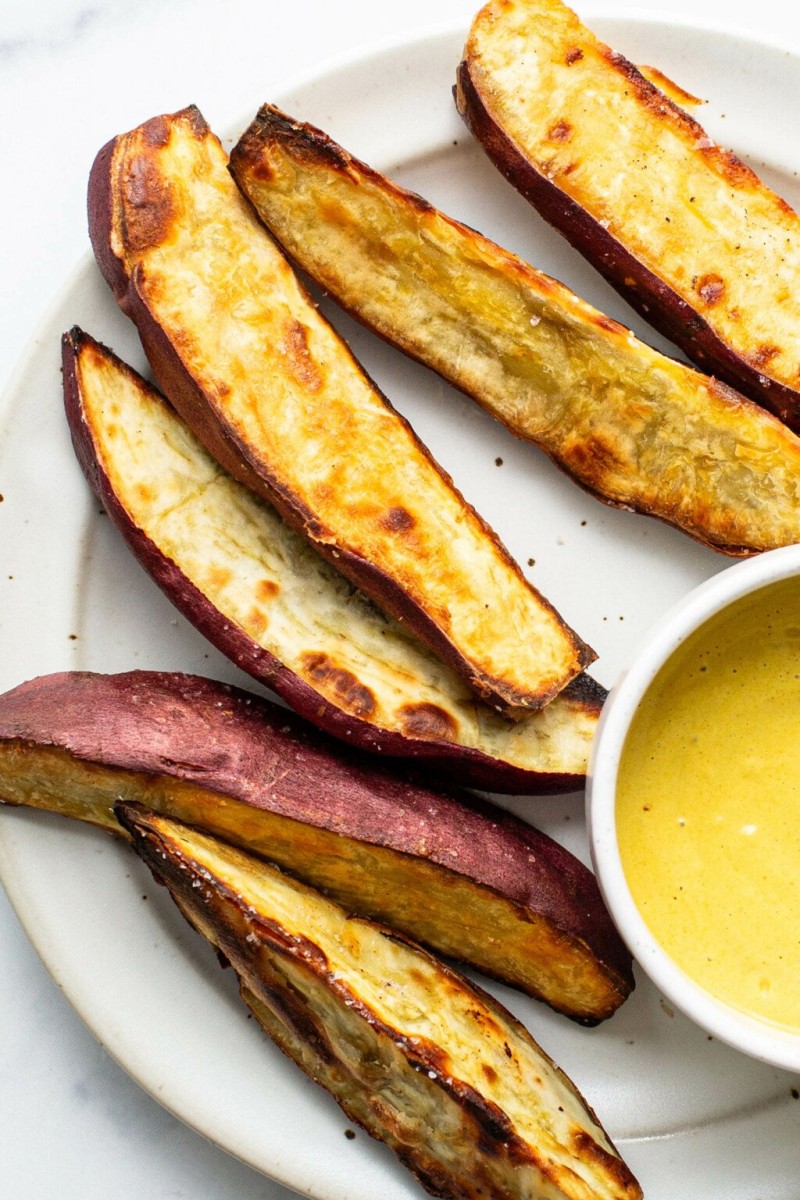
<point>679,1106</point>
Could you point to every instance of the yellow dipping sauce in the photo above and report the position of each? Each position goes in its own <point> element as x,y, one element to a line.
<point>708,806</point>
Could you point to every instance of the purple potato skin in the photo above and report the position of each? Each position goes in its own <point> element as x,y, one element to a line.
<point>657,303</point>
<point>461,764</point>
<point>231,743</point>
<point>200,413</point>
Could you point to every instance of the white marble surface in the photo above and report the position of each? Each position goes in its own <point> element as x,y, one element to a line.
<point>73,73</point>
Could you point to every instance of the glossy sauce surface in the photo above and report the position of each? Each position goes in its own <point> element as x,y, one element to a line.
<point>708,805</point>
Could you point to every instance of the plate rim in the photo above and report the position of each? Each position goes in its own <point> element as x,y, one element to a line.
<point>324,74</point>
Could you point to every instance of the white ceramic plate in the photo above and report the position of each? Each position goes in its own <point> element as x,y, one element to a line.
<point>679,1105</point>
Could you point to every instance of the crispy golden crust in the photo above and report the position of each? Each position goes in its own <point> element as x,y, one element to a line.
<point>679,225</point>
<point>634,427</point>
<point>449,869</point>
<point>258,591</point>
<point>278,399</point>
<point>425,1061</point>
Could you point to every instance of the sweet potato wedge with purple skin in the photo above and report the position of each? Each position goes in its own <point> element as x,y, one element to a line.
<point>421,1058</point>
<point>687,233</point>
<point>261,594</point>
<point>635,428</point>
<point>450,870</point>
<point>278,399</point>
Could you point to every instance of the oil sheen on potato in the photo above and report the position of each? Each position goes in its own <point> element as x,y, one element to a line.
<point>708,806</point>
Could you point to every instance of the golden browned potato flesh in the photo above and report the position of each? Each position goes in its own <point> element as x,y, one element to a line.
<point>277,397</point>
<point>281,612</point>
<point>423,1060</point>
<point>679,225</point>
<point>634,427</point>
<point>447,868</point>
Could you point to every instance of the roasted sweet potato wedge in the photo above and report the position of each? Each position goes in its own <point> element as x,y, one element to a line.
<point>450,870</point>
<point>424,1060</point>
<point>261,594</point>
<point>634,427</point>
<point>278,399</point>
<point>689,235</point>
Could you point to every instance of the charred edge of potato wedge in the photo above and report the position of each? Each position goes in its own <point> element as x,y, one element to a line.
<point>682,301</point>
<point>423,1060</point>
<point>449,869</point>
<point>636,429</point>
<point>257,590</point>
<point>282,404</point>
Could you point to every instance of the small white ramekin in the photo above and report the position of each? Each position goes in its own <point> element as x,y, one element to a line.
<point>756,1038</point>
